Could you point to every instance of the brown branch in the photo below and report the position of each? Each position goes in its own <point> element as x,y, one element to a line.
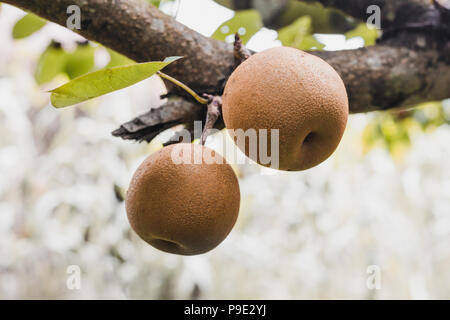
<point>386,76</point>
<point>396,73</point>
<point>148,125</point>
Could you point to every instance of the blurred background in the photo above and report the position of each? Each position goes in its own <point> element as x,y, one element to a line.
<point>383,198</point>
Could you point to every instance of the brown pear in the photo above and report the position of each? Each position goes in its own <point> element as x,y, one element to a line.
<point>295,92</point>
<point>183,199</point>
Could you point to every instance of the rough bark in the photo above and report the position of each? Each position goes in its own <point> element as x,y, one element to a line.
<point>384,77</point>
<point>148,125</point>
<point>389,75</point>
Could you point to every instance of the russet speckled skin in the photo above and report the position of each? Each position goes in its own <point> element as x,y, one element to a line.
<point>185,209</point>
<point>290,90</point>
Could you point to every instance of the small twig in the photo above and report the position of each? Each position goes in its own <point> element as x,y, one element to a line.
<point>183,86</point>
<point>144,135</point>
<point>148,125</point>
<point>212,114</point>
<point>241,53</point>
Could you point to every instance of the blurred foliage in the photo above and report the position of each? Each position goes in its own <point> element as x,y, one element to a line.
<point>55,60</point>
<point>299,35</point>
<point>323,20</point>
<point>245,22</point>
<point>28,25</point>
<point>394,130</point>
<point>51,63</point>
<point>80,61</point>
<point>369,35</point>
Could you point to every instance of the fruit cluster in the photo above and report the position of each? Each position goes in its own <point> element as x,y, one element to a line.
<point>189,208</point>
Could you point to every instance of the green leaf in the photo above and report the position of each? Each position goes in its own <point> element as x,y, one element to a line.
<point>28,25</point>
<point>117,59</point>
<point>362,30</point>
<point>51,63</point>
<point>245,22</point>
<point>298,35</point>
<point>81,61</point>
<point>104,81</point>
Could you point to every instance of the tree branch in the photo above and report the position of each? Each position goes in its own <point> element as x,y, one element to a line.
<point>397,73</point>
<point>148,125</point>
<point>386,76</point>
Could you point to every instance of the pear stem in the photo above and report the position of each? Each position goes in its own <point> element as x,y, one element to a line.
<point>240,52</point>
<point>183,86</point>
<point>212,114</point>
